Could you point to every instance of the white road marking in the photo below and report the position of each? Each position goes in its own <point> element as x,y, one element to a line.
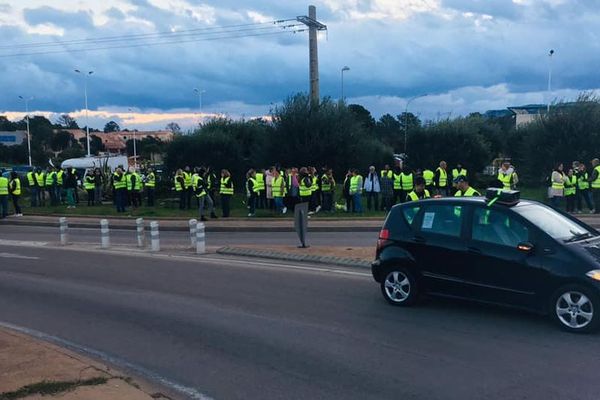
<point>23,243</point>
<point>11,255</point>
<point>139,370</point>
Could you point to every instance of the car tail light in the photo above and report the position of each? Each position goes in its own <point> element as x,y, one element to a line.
<point>384,236</point>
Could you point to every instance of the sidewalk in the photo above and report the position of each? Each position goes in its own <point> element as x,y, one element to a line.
<point>33,369</point>
<point>217,225</point>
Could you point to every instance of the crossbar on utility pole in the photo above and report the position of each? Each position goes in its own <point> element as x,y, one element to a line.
<point>313,27</point>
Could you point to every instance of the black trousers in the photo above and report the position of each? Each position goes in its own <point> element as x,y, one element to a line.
<point>398,198</point>
<point>15,199</point>
<point>90,196</point>
<point>150,197</point>
<point>372,200</point>
<point>225,204</point>
<point>570,203</point>
<point>182,199</point>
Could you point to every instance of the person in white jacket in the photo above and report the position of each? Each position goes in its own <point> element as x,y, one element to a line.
<point>372,189</point>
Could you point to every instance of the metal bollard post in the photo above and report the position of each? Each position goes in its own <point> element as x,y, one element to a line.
<point>200,243</point>
<point>154,236</point>
<point>193,231</point>
<point>64,231</point>
<point>104,233</point>
<point>141,236</point>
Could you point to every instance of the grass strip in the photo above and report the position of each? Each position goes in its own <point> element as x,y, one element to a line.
<point>49,388</point>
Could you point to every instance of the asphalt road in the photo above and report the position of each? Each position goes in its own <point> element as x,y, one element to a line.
<point>245,330</point>
<point>128,237</point>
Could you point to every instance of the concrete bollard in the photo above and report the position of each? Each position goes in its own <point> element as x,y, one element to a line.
<point>193,231</point>
<point>155,239</point>
<point>64,231</point>
<point>141,236</point>
<point>200,239</point>
<point>105,239</point>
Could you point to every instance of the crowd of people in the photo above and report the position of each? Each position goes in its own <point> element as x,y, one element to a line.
<point>280,189</point>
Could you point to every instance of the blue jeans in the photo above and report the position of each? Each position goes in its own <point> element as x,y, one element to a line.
<point>556,201</point>
<point>356,199</point>
<point>278,204</point>
<point>4,205</point>
<point>34,196</point>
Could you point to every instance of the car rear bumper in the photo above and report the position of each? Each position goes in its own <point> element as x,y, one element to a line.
<point>375,270</point>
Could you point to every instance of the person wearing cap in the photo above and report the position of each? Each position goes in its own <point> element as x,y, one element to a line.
<point>419,192</point>
<point>463,189</point>
<point>508,176</point>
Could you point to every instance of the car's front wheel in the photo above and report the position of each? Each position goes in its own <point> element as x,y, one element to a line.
<point>575,309</point>
<point>399,287</point>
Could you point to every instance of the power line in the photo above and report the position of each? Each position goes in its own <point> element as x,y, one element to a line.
<point>231,36</point>
<point>140,36</point>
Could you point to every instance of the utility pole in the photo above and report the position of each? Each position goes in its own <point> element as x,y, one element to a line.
<point>550,54</point>
<point>27,100</point>
<point>313,51</point>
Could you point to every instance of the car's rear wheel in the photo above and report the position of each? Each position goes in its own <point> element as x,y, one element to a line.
<point>399,287</point>
<point>575,309</point>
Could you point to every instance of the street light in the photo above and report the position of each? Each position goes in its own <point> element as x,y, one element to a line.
<point>26,100</point>
<point>87,124</point>
<point>199,93</point>
<point>134,147</point>
<point>406,117</point>
<point>550,54</point>
<point>346,68</point>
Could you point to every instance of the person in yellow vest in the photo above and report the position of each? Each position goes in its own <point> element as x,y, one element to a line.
<point>429,176</point>
<point>570,190</point>
<point>407,182</point>
<point>50,185</point>
<point>3,196</point>
<point>463,189</point>
<point>397,185</point>
<point>315,196</point>
<point>557,189</point>
<point>278,191</point>
<point>40,178</point>
<point>441,180</point>
<point>356,187</point>
<point>328,190</point>
<point>179,184</point>
<point>98,185</point>
<point>595,183</point>
<point>419,192</point>
<point>138,187</point>
<point>226,192</point>
<point>188,188</point>
<point>305,185</point>
<point>508,176</point>
<point>251,192</point>
<point>456,172</point>
<point>583,189</point>
<point>120,186</point>
<point>33,188</point>
<point>89,184</point>
<point>201,192</point>
<point>261,196</point>
<point>150,185</point>
<point>60,195</point>
<point>14,188</point>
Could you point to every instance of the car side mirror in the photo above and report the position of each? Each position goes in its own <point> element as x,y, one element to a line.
<point>525,247</point>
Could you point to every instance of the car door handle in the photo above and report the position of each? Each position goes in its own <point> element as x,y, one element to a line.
<point>473,250</point>
<point>419,239</point>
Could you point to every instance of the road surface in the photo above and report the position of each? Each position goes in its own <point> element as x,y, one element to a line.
<point>241,329</point>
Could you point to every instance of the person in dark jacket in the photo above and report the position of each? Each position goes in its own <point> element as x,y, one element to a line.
<point>70,182</point>
<point>251,192</point>
<point>346,191</point>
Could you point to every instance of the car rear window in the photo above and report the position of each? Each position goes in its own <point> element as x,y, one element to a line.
<point>442,219</point>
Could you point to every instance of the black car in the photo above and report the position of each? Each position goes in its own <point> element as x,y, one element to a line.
<point>497,250</point>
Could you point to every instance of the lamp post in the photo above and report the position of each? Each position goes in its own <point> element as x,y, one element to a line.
<point>346,68</point>
<point>26,100</point>
<point>87,124</point>
<point>199,93</point>
<point>134,146</point>
<point>406,118</point>
<point>550,54</point>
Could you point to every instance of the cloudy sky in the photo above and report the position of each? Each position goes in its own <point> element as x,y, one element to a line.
<point>466,55</point>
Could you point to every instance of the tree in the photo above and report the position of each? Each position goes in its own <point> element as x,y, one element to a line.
<point>96,144</point>
<point>111,126</point>
<point>61,140</point>
<point>67,122</point>
<point>388,130</point>
<point>173,127</point>
<point>362,115</point>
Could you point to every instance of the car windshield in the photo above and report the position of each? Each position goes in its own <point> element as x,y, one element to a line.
<point>553,223</point>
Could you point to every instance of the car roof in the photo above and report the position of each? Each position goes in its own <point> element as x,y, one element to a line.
<point>470,200</point>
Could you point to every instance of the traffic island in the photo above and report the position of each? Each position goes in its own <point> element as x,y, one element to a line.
<point>33,369</point>
<point>359,257</point>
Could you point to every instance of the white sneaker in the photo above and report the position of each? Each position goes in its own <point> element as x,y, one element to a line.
<point>249,214</point>
<point>284,210</point>
<point>311,212</point>
<point>318,209</point>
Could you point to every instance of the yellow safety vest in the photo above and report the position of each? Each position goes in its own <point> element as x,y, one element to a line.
<point>178,187</point>
<point>259,182</point>
<point>187,179</point>
<point>397,182</point>
<point>151,180</point>
<point>50,178</point>
<point>40,179</point>
<point>3,186</point>
<point>16,186</point>
<point>88,184</point>
<point>119,181</point>
<point>30,179</point>
<point>456,173</point>
<point>443,182</point>
<point>570,185</point>
<point>470,192</point>
<point>278,187</point>
<point>596,183</point>
<point>224,189</point>
<point>506,180</point>
<point>305,191</point>
<point>407,181</point>
<point>428,175</point>
<point>59,177</point>
<point>583,181</point>
<point>389,173</point>
<point>559,185</point>
<point>413,196</point>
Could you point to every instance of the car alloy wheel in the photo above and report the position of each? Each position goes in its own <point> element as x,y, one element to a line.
<point>574,310</point>
<point>397,287</point>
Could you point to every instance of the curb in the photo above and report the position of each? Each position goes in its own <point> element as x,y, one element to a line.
<point>277,255</point>
<point>208,228</point>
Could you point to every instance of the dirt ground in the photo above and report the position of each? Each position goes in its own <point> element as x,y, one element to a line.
<point>30,367</point>
<point>363,253</point>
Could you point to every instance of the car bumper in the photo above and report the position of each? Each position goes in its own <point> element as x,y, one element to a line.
<point>375,270</point>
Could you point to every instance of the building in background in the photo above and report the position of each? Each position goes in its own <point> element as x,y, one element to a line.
<point>13,138</point>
